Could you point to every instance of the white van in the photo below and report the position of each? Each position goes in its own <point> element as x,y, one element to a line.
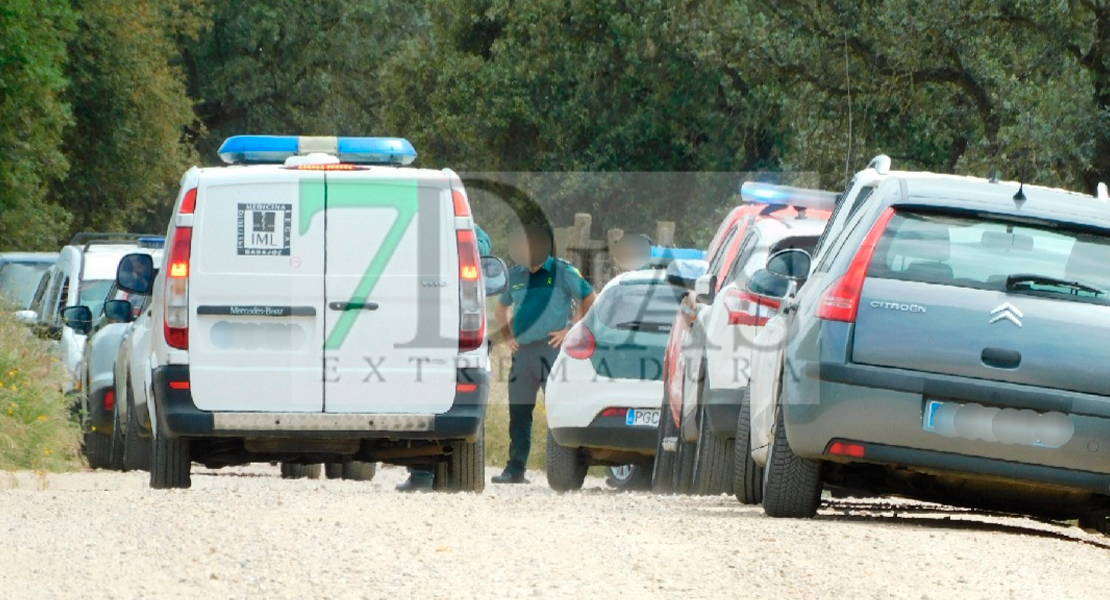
<point>319,301</point>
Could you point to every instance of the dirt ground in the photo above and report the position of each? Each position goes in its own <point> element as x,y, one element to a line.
<point>246,533</point>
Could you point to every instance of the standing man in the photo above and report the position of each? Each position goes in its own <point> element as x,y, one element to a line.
<point>421,480</point>
<point>542,291</point>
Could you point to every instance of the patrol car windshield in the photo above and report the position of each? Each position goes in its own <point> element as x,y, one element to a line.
<point>18,281</point>
<point>640,307</point>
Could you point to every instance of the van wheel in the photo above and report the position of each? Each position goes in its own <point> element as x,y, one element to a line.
<point>747,477</point>
<point>333,470</point>
<point>298,471</point>
<point>98,449</point>
<point>170,463</point>
<point>464,470</point>
<point>712,470</point>
<point>662,472</point>
<point>566,467</point>
<point>629,478</point>
<point>356,470</point>
<point>791,485</point>
<point>115,456</point>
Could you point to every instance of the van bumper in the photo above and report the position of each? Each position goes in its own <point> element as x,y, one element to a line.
<point>178,416</point>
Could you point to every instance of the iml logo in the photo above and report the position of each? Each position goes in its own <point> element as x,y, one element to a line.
<point>264,226</point>
<point>1007,312</point>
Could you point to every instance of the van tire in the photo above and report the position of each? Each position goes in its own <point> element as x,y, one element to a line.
<point>791,485</point>
<point>662,472</point>
<point>566,467</point>
<point>299,471</point>
<point>464,470</point>
<point>747,476</point>
<point>712,468</point>
<point>98,449</point>
<point>170,463</point>
<point>357,470</point>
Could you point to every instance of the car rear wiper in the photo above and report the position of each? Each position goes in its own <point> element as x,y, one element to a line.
<point>643,326</point>
<point>1017,279</point>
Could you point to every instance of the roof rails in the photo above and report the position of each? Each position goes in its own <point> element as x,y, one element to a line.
<point>143,240</point>
<point>880,164</point>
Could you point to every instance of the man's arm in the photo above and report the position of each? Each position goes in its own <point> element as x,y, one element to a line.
<point>505,324</point>
<point>584,306</point>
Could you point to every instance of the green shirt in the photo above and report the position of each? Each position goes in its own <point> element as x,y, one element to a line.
<point>543,300</point>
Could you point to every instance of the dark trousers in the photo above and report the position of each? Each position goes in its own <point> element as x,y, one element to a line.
<point>528,375</point>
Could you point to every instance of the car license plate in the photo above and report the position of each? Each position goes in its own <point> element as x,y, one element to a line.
<point>974,421</point>
<point>638,417</point>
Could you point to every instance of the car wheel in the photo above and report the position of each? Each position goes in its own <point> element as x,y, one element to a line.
<point>791,485</point>
<point>747,478</point>
<point>566,467</point>
<point>629,478</point>
<point>333,470</point>
<point>115,456</point>
<point>662,473</point>
<point>170,463</point>
<point>1098,522</point>
<point>98,449</point>
<point>464,470</point>
<point>299,471</point>
<point>357,470</point>
<point>712,462</point>
<point>684,466</point>
<point>136,448</point>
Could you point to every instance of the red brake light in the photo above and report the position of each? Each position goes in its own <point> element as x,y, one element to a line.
<point>841,301</point>
<point>109,400</point>
<point>189,204</point>
<point>580,343</point>
<point>176,317</point>
<point>472,299</point>
<point>179,385</point>
<point>847,449</point>
<point>462,205</point>
<point>746,308</point>
<point>466,388</point>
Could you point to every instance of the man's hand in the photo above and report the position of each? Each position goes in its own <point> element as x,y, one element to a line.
<point>689,307</point>
<point>555,338</point>
<point>514,345</point>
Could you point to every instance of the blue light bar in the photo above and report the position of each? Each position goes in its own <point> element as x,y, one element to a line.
<point>677,253</point>
<point>152,242</point>
<point>275,149</point>
<point>766,193</point>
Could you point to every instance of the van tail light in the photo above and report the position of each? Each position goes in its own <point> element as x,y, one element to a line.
<point>176,318</point>
<point>472,300</point>
<point>746,308</point>
<point>580,342</point>
<point>840,302</point>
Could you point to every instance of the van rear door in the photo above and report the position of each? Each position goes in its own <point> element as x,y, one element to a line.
<point>256,291</point>
<point>392,292</point>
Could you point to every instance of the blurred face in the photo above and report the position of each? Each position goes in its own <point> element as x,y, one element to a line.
<point>520,250</point>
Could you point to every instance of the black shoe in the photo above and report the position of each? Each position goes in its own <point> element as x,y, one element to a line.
<point>414,485</point>
<point>507,477</point>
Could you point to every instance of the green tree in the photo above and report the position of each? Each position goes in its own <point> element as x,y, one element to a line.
<point>32,116</point>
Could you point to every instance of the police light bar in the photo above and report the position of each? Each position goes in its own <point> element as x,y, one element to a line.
<point>275,149</point>
<point>766,193</point>
<point>677,253</point>
<point>152,242</point>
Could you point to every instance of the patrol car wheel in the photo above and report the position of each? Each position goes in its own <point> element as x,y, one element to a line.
<point>356,470</point>
<point>747,476</point>
<point>566,467</point>
<point>791,485</point>
<point>464,470</point>
<point>629,478</point>
<point>712,469</point>
<point>98,449</point>
<point>662,473</point>
<point>170,463</point>
<point>298,471</point>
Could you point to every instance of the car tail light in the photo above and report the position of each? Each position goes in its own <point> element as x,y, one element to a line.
<point>847,449</point>
<point>579,342</point>
<point>176,318</point>
<point>841,301</point>
<point>109,400</point>
<point>746,308</point>
<point>472,298</point>
<point>614,412</point>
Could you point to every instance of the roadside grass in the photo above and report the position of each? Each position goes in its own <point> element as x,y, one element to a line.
<point>37,431</point>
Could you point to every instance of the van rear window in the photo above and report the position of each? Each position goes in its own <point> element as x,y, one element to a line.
<point>982,253</point>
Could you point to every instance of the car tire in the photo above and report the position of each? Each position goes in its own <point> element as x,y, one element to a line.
<point>791,485</point>
<point>566,467</point>
<point>712,470</point>
<point>684,466</point>
<point>333,470</point>
<point>136,448</point>
<point>1098,522</point>
<point>357,470</point>
<point>747,476</point>
<point>464,470</point>
<point>98,449</point>
<point>299,471</point>
<point>170,463</point>
<point>115,456</point>
<point>630,478</point>
<point>662,472</point>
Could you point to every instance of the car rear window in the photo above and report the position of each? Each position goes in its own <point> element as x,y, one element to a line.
<point>984,252</point>
<point>18,281</point>
<point>639,306</point>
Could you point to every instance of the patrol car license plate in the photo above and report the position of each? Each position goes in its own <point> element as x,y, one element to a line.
<point>638,417</point>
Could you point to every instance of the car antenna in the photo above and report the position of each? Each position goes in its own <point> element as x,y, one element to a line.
<point>996,175</point>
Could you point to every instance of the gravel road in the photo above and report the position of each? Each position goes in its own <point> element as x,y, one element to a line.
<point>246,533</point>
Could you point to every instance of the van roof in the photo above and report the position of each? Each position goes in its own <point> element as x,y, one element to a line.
<point>237,173</point>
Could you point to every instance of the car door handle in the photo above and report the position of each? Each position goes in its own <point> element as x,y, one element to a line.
<point>353,305</point>
<point>1000,358</point>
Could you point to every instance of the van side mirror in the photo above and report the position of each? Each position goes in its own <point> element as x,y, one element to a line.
<point>119,311</point>
<point>495,274</point>
<point>684,273</point>
<point>792,264</point>
<point>706,288</point>
<point>78,318</point>
<point>135,274</point>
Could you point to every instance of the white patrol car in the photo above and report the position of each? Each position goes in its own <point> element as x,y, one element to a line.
<point>319,302</point>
